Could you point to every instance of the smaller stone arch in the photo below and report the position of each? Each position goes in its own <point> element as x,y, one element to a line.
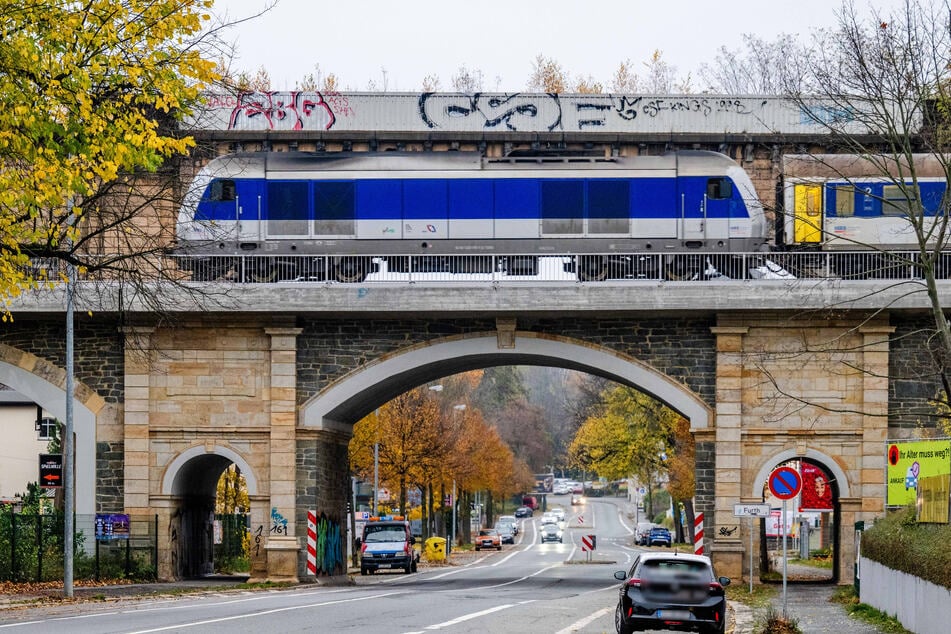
<point>171,482</point>
<point>45,384</point>
<point>842,480</point>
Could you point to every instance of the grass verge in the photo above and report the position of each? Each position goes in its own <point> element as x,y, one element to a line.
<point>864,612</point>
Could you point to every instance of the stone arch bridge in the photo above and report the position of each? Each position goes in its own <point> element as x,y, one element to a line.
<point>273,377</point>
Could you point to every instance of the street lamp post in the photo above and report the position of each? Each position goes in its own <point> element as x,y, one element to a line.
<point>376,463</point>
<point>459,408</point>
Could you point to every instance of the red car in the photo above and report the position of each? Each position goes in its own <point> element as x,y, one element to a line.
<point>488,538</point>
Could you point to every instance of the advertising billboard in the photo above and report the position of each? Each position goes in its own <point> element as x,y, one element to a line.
<point>544,482</point>
<point>907,461</point>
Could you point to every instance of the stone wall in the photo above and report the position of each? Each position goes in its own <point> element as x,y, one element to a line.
<point>913,377</point>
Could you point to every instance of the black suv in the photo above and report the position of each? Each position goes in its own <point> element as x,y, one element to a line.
<point>671,592</point>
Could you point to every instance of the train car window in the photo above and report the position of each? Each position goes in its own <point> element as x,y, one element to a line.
<point>899,201</point>
<point>288,208</point>
<point>222,190</point>
<point>562,207</point>
<point>609,206</point>
<point>719,188</point>
<point>844,201</point>
<point>334,204</point>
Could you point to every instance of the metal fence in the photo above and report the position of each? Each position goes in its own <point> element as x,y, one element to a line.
<point>31,548</point>
<point>497,268</point>
<point>558,268</point>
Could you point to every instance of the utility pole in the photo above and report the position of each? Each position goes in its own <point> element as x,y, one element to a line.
<point>69,481</point>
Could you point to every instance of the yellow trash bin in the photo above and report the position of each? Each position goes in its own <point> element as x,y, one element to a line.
<point>436,549</point>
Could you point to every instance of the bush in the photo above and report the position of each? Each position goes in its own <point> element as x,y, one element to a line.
<point>899,542</point>
<point>776,623</point>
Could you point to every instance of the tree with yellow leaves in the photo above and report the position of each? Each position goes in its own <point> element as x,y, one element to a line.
<point>91,93</point>
<point>632,436</point>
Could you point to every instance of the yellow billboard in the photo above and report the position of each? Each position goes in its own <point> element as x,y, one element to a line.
<point>908,461</point>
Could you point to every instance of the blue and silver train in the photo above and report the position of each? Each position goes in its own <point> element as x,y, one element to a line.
<point>414,210</point>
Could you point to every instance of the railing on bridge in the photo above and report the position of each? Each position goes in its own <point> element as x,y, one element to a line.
<point>545,268</point>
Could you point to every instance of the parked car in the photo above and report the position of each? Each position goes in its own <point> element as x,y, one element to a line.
<point>671,591</point>
<point>551,532</point>
<point>530,501</point>
<point>506,532</point>
<point>524,511</point>
<point>561,489</point>
<point>641,533</point>
<point>509,519</point>
<point>488,538</point>
<point>577,487</point>
<point>659,536</point>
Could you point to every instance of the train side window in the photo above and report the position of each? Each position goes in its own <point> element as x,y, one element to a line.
<point>844,201</point>
<point>334,203</point>
<point>719,188</point>
<point>222,190</point>
<point>287,208</point>
<point>899,201</point>
<point>562,207</point>
<point>609,206</point>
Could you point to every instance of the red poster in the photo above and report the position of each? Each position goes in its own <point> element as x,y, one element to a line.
<point>816,489</point>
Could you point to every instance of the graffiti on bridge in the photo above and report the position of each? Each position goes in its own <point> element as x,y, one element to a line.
<point>278,523</point>
<point>539,112</point>
<point>295,110</point>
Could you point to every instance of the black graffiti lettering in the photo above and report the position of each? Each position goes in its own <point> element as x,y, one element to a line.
<point>598,107</point>
<point>726,531</point>
<point>514,112</point>
<point>627,108</point>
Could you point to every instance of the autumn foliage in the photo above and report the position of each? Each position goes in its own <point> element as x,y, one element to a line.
<point>88,90</point>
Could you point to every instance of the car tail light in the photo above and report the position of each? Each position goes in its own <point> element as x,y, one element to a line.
<point>363,547</point>
<point>715,586</point>
<point>636,583</point>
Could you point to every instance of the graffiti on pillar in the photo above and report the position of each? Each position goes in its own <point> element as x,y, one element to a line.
<point>258,539</point>
<point>329,553</point>
<point>727,531</point>
<point>278,523</point>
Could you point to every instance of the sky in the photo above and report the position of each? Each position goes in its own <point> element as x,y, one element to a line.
<point>403,42</point>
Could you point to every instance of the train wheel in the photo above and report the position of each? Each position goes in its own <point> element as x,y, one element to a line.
<point>683,268</point>
<point>592,269</point>
<point>264,272</point>
<point>351,270</point>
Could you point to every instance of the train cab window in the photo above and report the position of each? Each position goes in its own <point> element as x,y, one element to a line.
<point>898,200</point>
<point>334,204</point>
<point>719,188</point>
<point>287,208</point>
<point>562,207</point>
<point>609,206</point>
<point>844,201</point>
<point>221,190</point>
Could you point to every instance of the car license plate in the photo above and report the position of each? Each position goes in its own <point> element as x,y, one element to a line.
<point>383,565</point>
<point>674,615</point>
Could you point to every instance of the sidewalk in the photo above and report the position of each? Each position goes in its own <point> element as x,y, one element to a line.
<point>811,606</point>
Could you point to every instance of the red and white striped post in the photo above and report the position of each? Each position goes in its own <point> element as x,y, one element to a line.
<point>698,534</point>
<point>312,543</point>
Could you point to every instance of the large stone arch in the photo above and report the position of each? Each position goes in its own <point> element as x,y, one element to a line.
<point>356,394</point>
<point>45,384</point>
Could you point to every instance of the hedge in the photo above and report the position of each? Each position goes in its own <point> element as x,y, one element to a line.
<point>899,542</point>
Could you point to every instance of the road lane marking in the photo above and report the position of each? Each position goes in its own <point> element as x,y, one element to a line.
<point>264,612</point>
<point>469,617</point>
<point>580,623</point>
<point>507,583</point>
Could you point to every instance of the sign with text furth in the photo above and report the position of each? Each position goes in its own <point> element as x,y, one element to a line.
<point>51,470</point>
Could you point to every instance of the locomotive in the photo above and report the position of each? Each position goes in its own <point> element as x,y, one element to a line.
<point>341,215</point>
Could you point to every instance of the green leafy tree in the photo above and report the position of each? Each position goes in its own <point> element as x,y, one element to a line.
<point>90,95</point>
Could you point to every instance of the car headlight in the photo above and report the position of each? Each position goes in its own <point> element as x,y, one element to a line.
<point>559,533</point>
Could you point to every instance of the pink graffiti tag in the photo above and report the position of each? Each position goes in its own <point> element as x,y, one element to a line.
<point>293,110</point>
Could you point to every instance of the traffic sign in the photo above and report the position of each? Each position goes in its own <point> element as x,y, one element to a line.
<point>588,543</point>
<point>751,510</point>
<point>51,470</point>
<point>785,483</point>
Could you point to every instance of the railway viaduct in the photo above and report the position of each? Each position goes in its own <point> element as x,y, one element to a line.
<point>272,377</point>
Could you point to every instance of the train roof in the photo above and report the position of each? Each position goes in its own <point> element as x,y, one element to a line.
<point>830,166</point>
<point>700,162</point>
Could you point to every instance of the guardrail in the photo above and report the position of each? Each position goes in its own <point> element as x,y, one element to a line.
<point>537,268</point>
<point>567,267</point>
